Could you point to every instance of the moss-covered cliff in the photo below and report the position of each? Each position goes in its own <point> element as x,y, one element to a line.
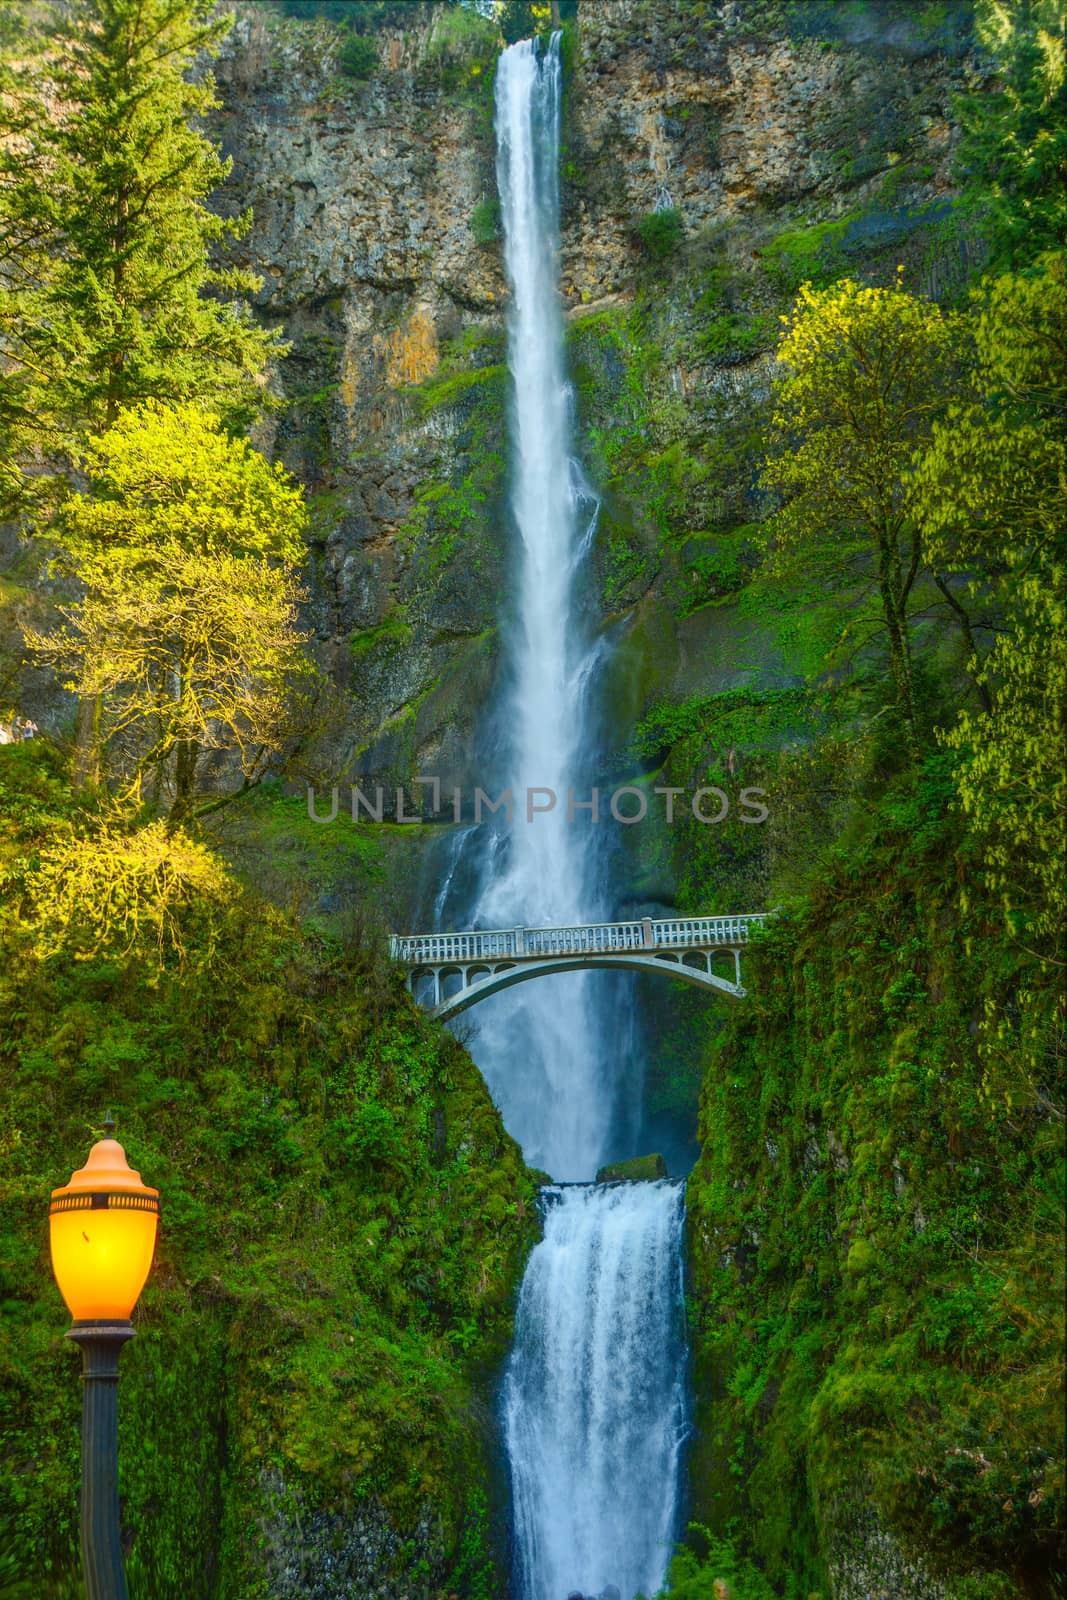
<point>306,1408</point>
<point>872,1215</point>
<point>874,1224</point>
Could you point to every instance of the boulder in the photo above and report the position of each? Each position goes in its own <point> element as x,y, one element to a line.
<point>641,1169</point>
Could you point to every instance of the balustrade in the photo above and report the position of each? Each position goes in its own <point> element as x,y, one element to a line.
<point>535,944</point>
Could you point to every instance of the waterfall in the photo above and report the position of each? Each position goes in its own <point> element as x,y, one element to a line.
<point>543,1054</point>
<point>594,1395</point>
<point>593,1403</point>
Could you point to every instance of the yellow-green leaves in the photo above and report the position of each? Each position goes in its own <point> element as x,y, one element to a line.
<point>118,892</point>
<point>992,493</point>
<point>169,472</point>
<point>185,631</point>
<point>864,372</point>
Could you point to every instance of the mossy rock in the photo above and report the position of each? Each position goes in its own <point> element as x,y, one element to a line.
<point>641,1169</point>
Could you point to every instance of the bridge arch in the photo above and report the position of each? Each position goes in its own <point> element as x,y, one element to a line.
<point>506,977</point>
<point>487,962</point>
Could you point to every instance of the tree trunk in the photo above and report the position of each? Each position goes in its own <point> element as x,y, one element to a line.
<point>899,645</point>
<point>968,640</point>
<point>185,758</point>
<point>87,741</point>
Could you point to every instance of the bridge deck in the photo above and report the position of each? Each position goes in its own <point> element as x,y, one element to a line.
<point>650,934</point>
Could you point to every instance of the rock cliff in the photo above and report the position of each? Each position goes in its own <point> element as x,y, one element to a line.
<point>772,143</point>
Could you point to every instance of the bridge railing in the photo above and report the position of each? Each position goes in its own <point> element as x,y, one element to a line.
<point>691,933</point>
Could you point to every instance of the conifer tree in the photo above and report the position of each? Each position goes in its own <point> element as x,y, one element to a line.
<point>106,167</point>
<point>1013,154</point>
<point>108,294</point>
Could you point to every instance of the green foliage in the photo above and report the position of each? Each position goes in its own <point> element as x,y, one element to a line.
<point>991,493</point>
<point>866,372</point>
<point>185,625</point>
<point>735,716</point>
<point>113,299</point>
<point>522,19</point>
<point>661,232</point>
<point>1013,155</point>
<point>358,57</point>
<point>360,15</point>
<point>339,1197</point>
<point>876,1246</point>
<point>475,1575</point>
<point>714,1572</point>
<point>463,46</point>
<point>485,222</point>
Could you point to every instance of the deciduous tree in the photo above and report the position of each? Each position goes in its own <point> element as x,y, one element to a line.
<point>864,374</point>
<point>184,545</point>
<point>992,493</point>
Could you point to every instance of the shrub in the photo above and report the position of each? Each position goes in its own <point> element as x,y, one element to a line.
<point>485,222</point>
<point>661,231</point>
<point>359,57</point>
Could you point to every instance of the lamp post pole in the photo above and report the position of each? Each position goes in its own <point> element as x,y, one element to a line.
<point>102,1226</point>
<point>101,1537</point>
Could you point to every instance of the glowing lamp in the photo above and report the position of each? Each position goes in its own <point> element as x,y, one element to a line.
<point>102,1226</point>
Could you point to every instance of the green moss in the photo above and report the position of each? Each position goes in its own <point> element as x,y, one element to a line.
<point>344,1223</point>
<point>639,1169</point>
<point>455,518</point>
<point>450,390</point>
<point>485,222</point>
<point>810,254</point>
<point>392,634</point>
<point>863,1322</point>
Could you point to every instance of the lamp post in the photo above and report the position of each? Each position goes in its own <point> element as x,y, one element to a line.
<point>102,1227</point>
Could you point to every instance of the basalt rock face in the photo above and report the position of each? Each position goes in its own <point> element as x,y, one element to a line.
<point>766,155</point>
<point>362,196</point>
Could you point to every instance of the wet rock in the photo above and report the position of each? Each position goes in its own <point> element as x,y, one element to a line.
<point>640,1169</point>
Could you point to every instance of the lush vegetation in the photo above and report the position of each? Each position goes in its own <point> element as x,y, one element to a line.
<point>345,1216</point>
<point>873,533</point>
<point>876,1217</point>
<point>344,1219</point>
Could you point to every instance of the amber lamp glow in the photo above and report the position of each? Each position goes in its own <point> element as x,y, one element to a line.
<point>102,1226</point>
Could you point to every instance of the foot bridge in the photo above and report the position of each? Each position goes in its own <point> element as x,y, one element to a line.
<point>449,972</point>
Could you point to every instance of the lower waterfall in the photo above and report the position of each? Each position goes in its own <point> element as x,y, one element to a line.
<point>594,1394</point>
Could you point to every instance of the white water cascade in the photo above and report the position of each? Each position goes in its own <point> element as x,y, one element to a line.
<point>593,1400</point>
<point>543,1054</point>
<point>594,1396</point>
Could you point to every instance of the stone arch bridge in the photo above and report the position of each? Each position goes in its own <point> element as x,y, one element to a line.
<point>449,972</point>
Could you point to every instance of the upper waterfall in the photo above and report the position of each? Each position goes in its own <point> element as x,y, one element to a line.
<point>544,1056</point>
